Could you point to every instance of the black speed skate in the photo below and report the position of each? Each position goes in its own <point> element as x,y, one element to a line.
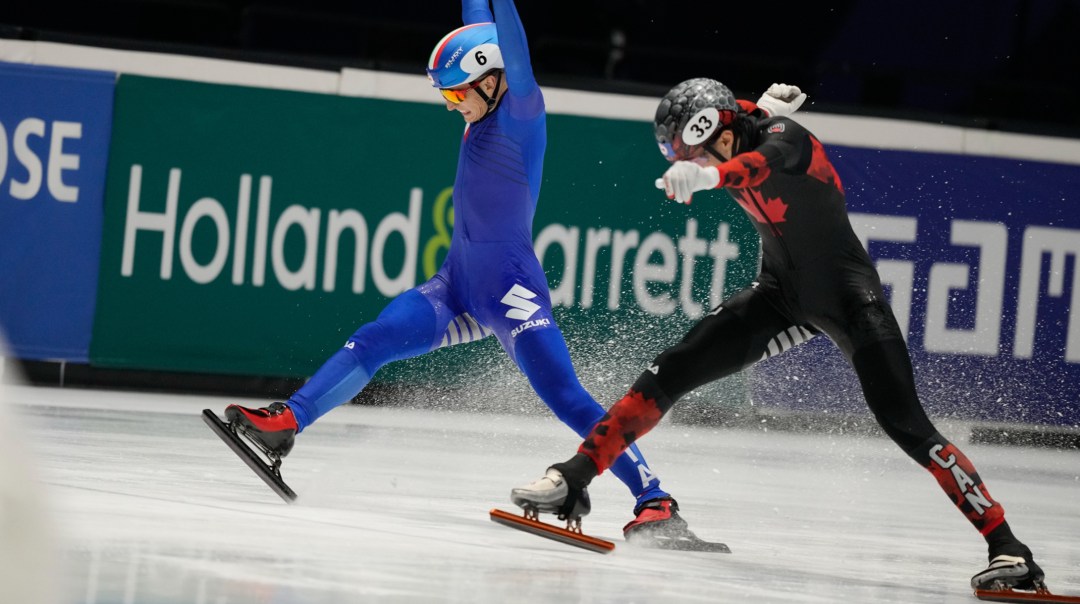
<point>657,524</point>
<point>260,438</point>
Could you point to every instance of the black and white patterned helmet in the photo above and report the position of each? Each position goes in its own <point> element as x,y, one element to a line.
<point>690,115</point>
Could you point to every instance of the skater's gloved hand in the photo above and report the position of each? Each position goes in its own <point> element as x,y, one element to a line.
<point>684,178</point>
<point>781,99</point>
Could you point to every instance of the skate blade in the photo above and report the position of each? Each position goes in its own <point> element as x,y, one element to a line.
<point>1041,596</point>
<point>684,542</point>
<point>249,456</point>
<point>552,532</point>
<point>683,545</point>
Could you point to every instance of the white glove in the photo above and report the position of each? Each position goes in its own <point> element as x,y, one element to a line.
<point>781,99</point>
<point>683,178</point>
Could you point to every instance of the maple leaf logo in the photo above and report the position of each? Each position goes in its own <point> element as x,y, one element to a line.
<point>754,203</point>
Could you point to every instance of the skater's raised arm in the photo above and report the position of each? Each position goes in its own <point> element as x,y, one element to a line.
<point>515,49</point>
<point>475,11</point>
<point>512,43</point>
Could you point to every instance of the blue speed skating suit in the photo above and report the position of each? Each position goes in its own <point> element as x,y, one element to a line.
<point>491,281</point>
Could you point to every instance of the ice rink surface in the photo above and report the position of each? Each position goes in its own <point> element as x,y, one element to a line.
<point>149,507</point>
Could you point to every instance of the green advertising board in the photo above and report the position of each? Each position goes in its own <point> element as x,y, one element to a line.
<point>251,231</point>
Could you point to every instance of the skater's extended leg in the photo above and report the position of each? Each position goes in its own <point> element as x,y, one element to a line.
<point>633,416</point>
<point>405,328</point>
<point>733,336</point>
<point>738,333</point>
<point>543,358</point>
<point>656,521</point>
<point>884,369</point>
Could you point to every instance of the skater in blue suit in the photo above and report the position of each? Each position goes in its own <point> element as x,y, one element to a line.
<point>491,282</point>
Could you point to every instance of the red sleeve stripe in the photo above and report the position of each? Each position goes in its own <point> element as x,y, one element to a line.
<point>747,170</point>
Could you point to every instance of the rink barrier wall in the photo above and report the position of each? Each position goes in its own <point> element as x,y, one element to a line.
<point>55,125</point>
<point>237,242</point>
<point>928,238</point>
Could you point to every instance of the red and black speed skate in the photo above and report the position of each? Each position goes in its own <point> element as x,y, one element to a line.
<point>657,524</point>
<point>260,438</point>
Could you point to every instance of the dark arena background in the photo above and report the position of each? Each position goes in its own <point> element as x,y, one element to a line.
<point>1000,66</point>
<point>201,200</point>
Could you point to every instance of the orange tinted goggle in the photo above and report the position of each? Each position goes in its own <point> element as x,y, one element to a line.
<point>457,95</point>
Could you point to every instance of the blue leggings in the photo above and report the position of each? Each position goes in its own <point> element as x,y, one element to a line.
<point>409,326</point>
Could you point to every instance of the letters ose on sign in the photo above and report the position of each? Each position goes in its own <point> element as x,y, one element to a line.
<point>32,152</point>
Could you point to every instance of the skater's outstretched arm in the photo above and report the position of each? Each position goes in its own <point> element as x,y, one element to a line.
<point>527,100</point>
<point>515,49</point>
<point>785,146</point>
<point>475,11</point>
<point>512,43</point>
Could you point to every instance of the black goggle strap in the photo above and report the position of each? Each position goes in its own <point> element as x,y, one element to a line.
<point>735,147</point>
<point>491,100</point>
<point>713,152</point>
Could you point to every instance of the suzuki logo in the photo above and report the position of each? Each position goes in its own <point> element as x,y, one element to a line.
<point>518,297</point>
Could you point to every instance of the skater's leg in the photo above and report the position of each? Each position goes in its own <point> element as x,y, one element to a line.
<point>543,358</point>
<point>745,329</point>
<point>740,332</point>
<point>405,328</point>
<point>885,372</point>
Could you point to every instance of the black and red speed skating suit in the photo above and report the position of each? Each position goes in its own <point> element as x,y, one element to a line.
<point>815,278</point>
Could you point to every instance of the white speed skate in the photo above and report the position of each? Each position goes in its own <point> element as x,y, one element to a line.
<point>1007,571</point>
<point>552,495</point>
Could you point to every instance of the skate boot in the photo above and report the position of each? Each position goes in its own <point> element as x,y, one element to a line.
<point>1010,567</point>
<point>659,525</point>
<point>272,429</point>
<point>552,494</point>
<point>656,519</point>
